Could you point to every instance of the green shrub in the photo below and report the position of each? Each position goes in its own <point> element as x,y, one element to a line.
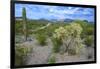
<point>52,60</point>
<point>88,28</point>
<point>90,31</point>
<point>56,44</point>
<point>89,40</point>
<point>41,38</point>
<point>20,54</point>
<point>18,27</point>
<point>72,51</point>
<point>75,50</point>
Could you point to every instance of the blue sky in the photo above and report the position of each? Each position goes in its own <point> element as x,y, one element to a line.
<point>54,12</point>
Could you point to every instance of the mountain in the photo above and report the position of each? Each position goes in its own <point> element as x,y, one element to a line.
<point>63,20</point>
<point>68,20</point>
<point>43,20</point>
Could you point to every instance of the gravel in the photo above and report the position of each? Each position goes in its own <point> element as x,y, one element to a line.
<point>41,54</point>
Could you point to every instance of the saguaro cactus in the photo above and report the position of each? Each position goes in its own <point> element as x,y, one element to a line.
<point>24,23</point>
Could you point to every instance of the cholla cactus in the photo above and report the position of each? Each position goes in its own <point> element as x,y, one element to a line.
<point>73,29</point>
<point>70,36</point>
<point>60,33</point>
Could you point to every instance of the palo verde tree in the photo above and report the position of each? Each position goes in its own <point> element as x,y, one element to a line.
<point>25,29</point>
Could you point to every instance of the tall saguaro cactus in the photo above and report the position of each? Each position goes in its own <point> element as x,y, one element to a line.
<point>24,24</point>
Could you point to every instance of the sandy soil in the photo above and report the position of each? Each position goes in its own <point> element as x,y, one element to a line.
<point>41,54</point>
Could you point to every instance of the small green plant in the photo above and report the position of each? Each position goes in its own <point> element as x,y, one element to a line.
<point>52,60</point>
<point>56,44</point>
<point>20,53</point>
<point>89,40</point>
<point>72,51</point>
<point>41,38</point>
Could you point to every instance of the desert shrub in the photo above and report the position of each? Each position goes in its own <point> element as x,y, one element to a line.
<point>52,60</point>
<point>89,30</point>
<point>89,40</point>
<point>75,47</point>
<point>70,37</point>
<point>18,27</point>
<point>20,53</point>
<point>56,44</point>
<point>19,39</point>
<point>41,38</point>
<point>72,51</point>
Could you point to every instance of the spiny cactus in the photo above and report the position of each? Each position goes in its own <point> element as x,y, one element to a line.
<point>70,36</point>
<point>25,29</point>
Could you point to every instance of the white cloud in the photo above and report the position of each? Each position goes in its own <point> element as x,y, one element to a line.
<point>39,11</point>
<point>65,11</point>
